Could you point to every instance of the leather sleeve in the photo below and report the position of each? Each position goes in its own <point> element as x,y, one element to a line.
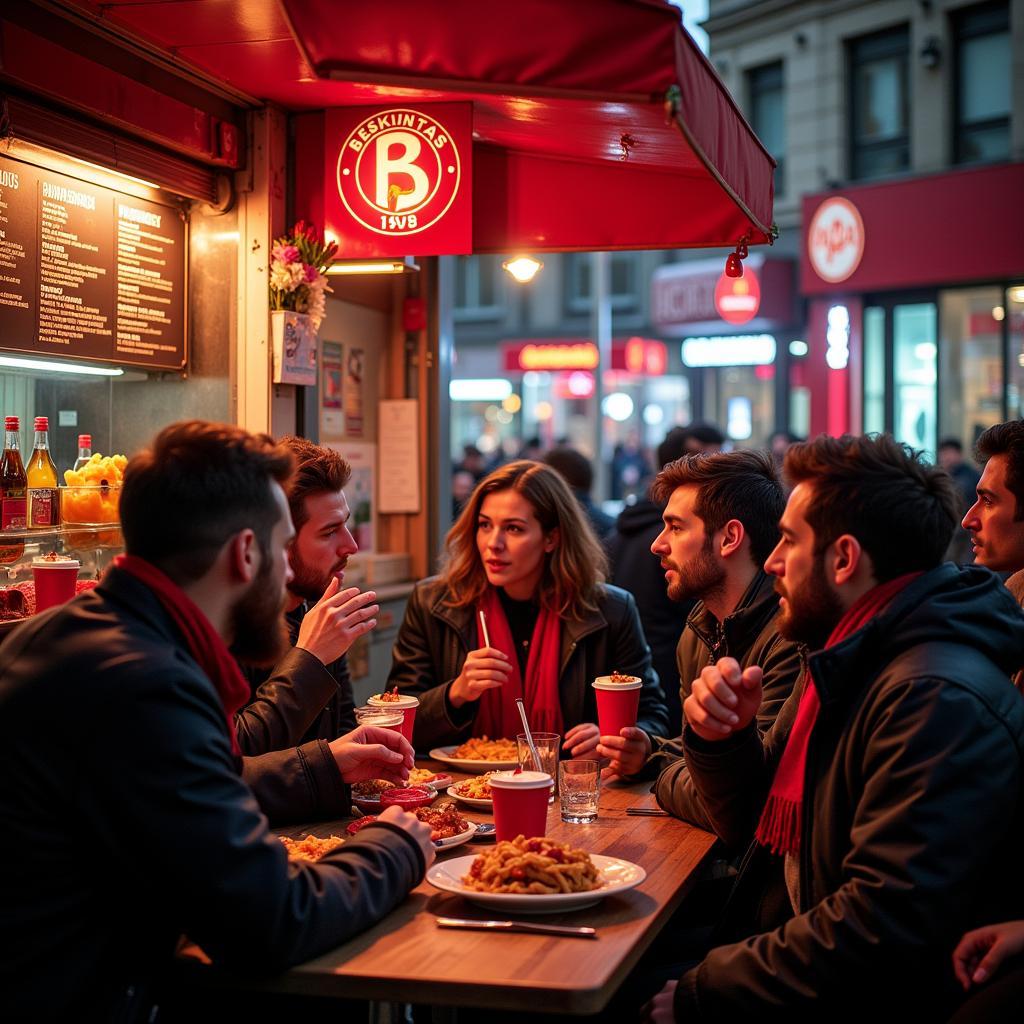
<point>940,779</point>
<point>782,664</point>
<point>416,669</point>
<point>196,833</point>
<point>632,656</point>
<point>286,704</point>
<point>298,784</point>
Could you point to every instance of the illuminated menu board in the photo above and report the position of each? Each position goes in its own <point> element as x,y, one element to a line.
<point>89,273</point>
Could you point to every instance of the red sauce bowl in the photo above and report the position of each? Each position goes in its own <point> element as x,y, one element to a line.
<point>409,798</point>
<point>359,823</point>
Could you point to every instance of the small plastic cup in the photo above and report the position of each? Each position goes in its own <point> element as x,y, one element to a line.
<point>520,804</point>
<point>380,717</point>
<point>55,580</point>
<point>405,703</point>
<point>618,700</point>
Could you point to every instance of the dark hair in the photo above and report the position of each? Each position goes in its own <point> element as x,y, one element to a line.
<point>950,442</point>
<point>705,434</point>
<point>573,465</point>
<point>318,470</point>
<point>197,486</point>
<point>673,447</point>
<point>901,509</point>
<point>574,572</point>
<point>1006,439</point>
<point>741,485</point>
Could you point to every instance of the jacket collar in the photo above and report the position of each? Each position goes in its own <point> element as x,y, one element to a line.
<point>756,607</point>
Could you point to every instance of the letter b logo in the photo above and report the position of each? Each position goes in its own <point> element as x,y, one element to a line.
<point>401,183</point>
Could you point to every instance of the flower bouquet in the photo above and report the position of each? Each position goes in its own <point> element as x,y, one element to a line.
<point>297,264</point>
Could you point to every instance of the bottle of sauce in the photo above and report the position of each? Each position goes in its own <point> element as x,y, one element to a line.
<point>41,473</point>
<point>84,450</point>
<point>13,487</point>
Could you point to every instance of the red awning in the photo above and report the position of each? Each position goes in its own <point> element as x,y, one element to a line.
<point>598,124</point>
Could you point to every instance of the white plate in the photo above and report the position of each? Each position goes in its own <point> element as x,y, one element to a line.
<point>444,754</point>
<point>470,801</point>
<point>462,837</point>
<point>616,876</point>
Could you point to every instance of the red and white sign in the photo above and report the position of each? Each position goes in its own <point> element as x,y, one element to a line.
<point>400,180</point>
<point>738,299</point>
<point>835,240</point>
<point>636,355</point>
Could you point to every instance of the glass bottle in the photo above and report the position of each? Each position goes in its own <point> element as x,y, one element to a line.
<point>41,473</point>
<point>13,486</point>
<point>84,450</point>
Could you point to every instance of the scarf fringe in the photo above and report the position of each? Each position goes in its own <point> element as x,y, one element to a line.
<point>779,827</point>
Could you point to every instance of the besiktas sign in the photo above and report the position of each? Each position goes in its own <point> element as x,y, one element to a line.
<point>400,180</point>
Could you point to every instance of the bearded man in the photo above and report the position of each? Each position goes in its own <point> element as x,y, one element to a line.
<point>883,808</point>
<point>125,819</point>
<point>720,521</point>
<point>297,709</point>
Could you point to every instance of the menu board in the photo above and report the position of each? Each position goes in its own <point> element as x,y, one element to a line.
<point>89,273</point>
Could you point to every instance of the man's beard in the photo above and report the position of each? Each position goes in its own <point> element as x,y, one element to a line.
<point>307,581</point>
<point>699,578</point>
<point>257,620</point>
<point>813,613</point>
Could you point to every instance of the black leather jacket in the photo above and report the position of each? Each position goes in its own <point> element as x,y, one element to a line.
<point>125,822</point>
<point>912,816</point>
<point>435,638</point>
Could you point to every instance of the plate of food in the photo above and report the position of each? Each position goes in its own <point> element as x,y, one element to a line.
<point>474,792</point>
<point>535,876</point>
<point>449,828</point>
<point>479,754</point>
<point>367,795</point>
<point>425,777</point>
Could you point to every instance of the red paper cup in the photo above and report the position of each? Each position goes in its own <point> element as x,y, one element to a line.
<point>405,703</point>
<point>617,703</point>
<point>55,581</point>
<point>520,804</point>
<point>380,717</point>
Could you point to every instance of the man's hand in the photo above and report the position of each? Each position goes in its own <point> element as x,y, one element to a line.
<point>370,752</point>
<point>581,740</point>
<point>483,670</point>
<point>724,699</point>
<point>627,752</point>
<point>661,1009</point>
<point>419,830</point>
<point>980,953</point>
<point>336,621</point>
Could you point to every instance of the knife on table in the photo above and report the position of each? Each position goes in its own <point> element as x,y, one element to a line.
<point>518,926</point>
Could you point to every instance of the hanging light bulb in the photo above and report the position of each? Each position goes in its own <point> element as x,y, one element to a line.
<point>523,268</point>
<point>733,266</point>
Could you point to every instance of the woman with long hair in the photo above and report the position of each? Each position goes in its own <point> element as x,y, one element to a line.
<point>522,554</point>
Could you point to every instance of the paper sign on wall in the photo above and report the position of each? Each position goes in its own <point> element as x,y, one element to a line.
<point>398,433</point>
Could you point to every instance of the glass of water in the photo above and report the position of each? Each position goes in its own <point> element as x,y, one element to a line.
<point>579,783</point>
<point>547,745</point>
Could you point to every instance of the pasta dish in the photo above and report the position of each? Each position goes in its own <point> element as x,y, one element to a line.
<point>538,866</point>
<point>445,821</point>
<point>310,848</point>
<point>480,748</point>
<point>477,788</point>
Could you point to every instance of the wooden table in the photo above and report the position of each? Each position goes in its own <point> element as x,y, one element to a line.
<point>407,958</point>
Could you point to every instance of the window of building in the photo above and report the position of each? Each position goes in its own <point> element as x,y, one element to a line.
<point>879,104</point>
<point>624,273</point>
<point>767,106</point>
<point>874,370</point>
<point>915,354</point>
<point>1012,312</point>
<point>983,77</point>
<point>478,288</point>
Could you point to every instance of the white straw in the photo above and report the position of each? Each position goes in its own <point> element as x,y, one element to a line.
<point>483,628</point>
<point>529,735</point>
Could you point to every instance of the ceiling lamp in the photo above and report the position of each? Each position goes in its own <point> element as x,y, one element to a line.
<point>523,268</point>
<point>395,266</point>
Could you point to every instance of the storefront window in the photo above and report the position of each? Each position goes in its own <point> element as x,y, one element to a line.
<point>743,403</point>
<point>971,377</point>
<point>880,140</point>
<point>983,90</point>
<point>767,97</point>
<point>915,355</point>
<point>874,370</point>
<point>1014,313</point>
<point>624,272</point>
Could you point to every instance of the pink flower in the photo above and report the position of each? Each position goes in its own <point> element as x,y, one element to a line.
<point>285,253</point>
<point>311,272</point>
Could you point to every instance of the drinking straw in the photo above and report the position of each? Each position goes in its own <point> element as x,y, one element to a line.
<point>483,628</point>
<point>529,735</point>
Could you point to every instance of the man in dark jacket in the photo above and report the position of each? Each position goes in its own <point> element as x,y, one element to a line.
<point>124,818</point>
<point>633,569</point>
<point>300,707</point>
<point>892,775</point>
<point>721,520</point>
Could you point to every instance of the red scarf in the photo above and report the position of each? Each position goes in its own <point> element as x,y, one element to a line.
<point>780,824</point>
<point>498,715</point>
<point>204,643</point>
